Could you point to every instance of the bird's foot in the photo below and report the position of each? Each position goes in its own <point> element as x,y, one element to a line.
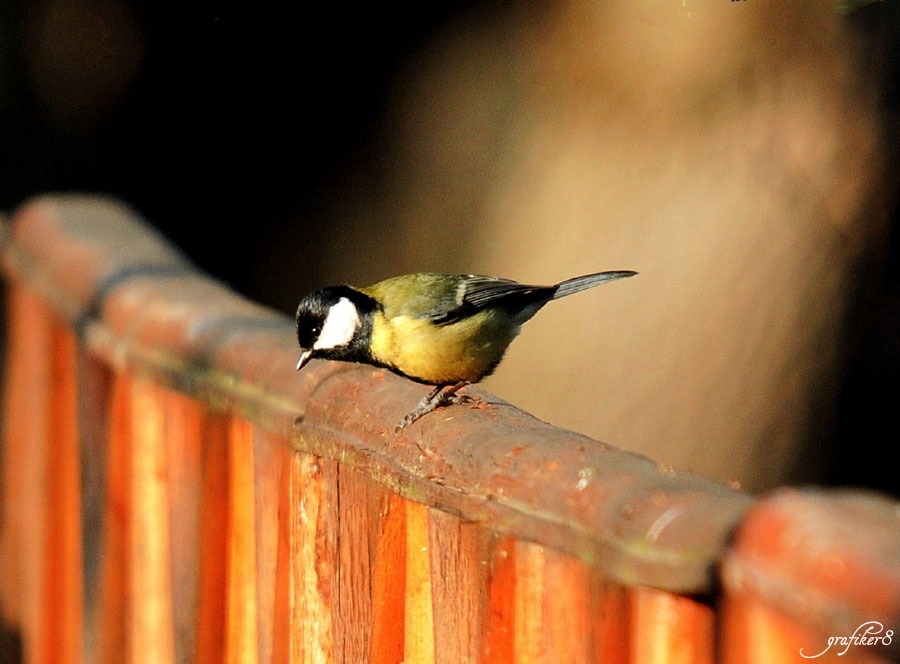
<point>442,395</point>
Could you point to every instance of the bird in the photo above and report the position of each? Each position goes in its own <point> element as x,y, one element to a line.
<point>443,330</point>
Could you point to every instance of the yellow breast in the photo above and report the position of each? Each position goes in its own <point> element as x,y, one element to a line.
<point>466,350</point>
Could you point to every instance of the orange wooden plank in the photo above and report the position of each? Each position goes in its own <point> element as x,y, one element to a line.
<point>184,428</point>
<point>552,599</point>
<point>112,633</point>
<point>751,633</point>
<point>213,547</point>
<point>361,502</point>
<point>459,559</point>
<point>283,631</point>
<point>311,563</point>
<point>418,615</point>
<point>669,629</point>
<point>270,456</point>
<point>25,407</point>
<point>611,615</point>
<point>95,382</point>
<point>151,636</point>
<point>389,586</point>
<point>241,641</point>
<point>529,624</point>
<point>42,518</point>
<point>567,608</point>
<point>61,620</point>
<point>498,645</point>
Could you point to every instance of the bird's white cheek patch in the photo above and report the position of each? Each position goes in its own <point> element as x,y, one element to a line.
<point>339,325</point>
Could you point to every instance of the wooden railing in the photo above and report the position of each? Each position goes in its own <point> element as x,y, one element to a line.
<point>172,490</point>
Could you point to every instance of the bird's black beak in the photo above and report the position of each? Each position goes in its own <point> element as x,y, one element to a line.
<point>305,357</point>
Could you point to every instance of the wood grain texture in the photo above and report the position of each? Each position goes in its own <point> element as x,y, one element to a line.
<point>459,552</point>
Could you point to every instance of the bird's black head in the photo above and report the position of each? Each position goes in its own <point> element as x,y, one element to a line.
<point>335,323</point>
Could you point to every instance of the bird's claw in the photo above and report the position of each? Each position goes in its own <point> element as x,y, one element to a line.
<point>442,395</point>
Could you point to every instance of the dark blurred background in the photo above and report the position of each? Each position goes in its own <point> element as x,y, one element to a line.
<point>243,132</point>
<point>223,123</point>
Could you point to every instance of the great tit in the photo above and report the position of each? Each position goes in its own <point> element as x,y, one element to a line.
<point>439,329</point>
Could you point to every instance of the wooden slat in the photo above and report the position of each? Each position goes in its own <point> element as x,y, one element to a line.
<point>668,629</point>
<point>389,586</point>
<point>753,634</point>
<point>528,603</point>
<point>459,562</point>
<point>241,627</point>
<point>310,562</point>
<point>28,376</point>
<point>419,608</point>
<point>270,458</point>
<point>61,619</point>
<point>151,637</point>
<point>184,430</point>
<point>41,532</point>
<point>567,608</point>
<point>499,642</point>
<point>611,615</point>
<point>213,540</point>
<point>95,381</point>
<point>113,612</point>
<point>361,509</point>
<point>285,646</point>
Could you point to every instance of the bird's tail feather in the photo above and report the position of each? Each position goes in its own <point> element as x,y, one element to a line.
<point>578,284</point>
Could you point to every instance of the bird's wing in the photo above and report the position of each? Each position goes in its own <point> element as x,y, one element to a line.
<point>445,298</point>
<point>473,293</point>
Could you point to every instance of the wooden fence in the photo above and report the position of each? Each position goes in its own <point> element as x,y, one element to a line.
<point>173,491</point>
